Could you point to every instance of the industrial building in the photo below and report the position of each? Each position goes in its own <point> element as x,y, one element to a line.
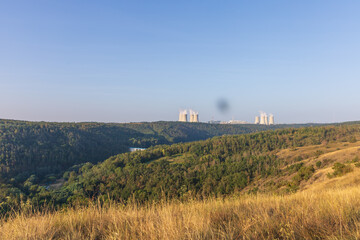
<point>194,116</point>
<point>235,122</point>
<point>214,122</point>
<point>183,116</point>
<point>271,120</point>
<point>264,119</point>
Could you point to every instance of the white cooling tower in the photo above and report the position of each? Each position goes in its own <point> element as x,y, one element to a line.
<point>266,120</point>
<point>271,120</point>
<point>262,119</point>
<point>257,120</point>
<point>192,117</point>
<point>183,116</point>
<point>196,117</point>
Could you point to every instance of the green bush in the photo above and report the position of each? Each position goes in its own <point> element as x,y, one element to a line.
<point>304,173</point>
<point>318,153</point>
<point>318,164</point>
<point>339,170</point>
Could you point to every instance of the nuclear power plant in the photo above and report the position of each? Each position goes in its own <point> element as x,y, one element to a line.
<point>264,119</point>
<point>271,120</point>
<point>183,116</point>
<point>194,116</point>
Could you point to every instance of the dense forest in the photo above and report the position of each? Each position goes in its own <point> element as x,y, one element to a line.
<point>45,149</point>
<point>215,167</point>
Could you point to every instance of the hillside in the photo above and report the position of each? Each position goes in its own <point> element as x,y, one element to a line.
<point>281,161</point>
<point>275,160</point>
<point>283,184</point>
<point>326,210</point>
<point>44,148</point>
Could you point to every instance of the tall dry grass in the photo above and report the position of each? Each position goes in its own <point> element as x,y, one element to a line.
<point>332,214</point>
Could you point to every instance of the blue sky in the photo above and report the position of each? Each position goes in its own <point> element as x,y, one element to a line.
<point>123,61</point>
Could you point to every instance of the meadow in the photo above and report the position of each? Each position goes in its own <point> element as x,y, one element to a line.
<point>328,214</point>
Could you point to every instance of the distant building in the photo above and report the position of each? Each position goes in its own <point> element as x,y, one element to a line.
<point>133,149</point>
<point>264,119</point>
<point>271,120</point>
<point>234,122</point>
<point>183,116</point>
<point>194,116</point>
<point>214,122</point>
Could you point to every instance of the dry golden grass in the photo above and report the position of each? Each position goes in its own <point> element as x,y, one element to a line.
<point>342,152</point>
<point>331,214</point>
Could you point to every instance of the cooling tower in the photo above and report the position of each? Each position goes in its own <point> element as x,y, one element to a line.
<point>266,120</point>
<point>257,120</point>
<point>183,116</point>
<point>271,120</point>
<point>196,117</point>
<point>262,119</point>
<point>192,117</point>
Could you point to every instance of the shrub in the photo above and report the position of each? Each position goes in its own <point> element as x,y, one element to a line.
<point>318,153</point>
<point>356,159</point>
<point>339,170</point>
<point>304,173</point>
<point>318,164</point>
<point>295,167</point>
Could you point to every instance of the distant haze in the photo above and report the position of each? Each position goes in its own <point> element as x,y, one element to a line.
<point>127,61</point>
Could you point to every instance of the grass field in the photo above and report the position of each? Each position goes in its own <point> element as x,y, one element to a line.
<point>330,214</point>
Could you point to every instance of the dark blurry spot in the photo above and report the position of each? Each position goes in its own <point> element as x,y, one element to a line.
<point>223,105</point>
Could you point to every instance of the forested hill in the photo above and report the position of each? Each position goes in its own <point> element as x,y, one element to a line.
<point>215,167</point>
<point>45,148</point>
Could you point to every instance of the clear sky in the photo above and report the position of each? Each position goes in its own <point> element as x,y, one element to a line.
<point>124,61</point>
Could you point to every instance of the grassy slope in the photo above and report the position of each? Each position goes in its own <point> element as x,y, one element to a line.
<point>342,152</point>
<point>324,208</point>
<point>331,214</point>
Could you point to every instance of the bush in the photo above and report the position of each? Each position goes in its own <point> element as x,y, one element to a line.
<point>340,170</point>
<point>318,153</point>
<point>304,173</point>
<point>356,159</point>
<point>318,164</point>
<point>295,167</point>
